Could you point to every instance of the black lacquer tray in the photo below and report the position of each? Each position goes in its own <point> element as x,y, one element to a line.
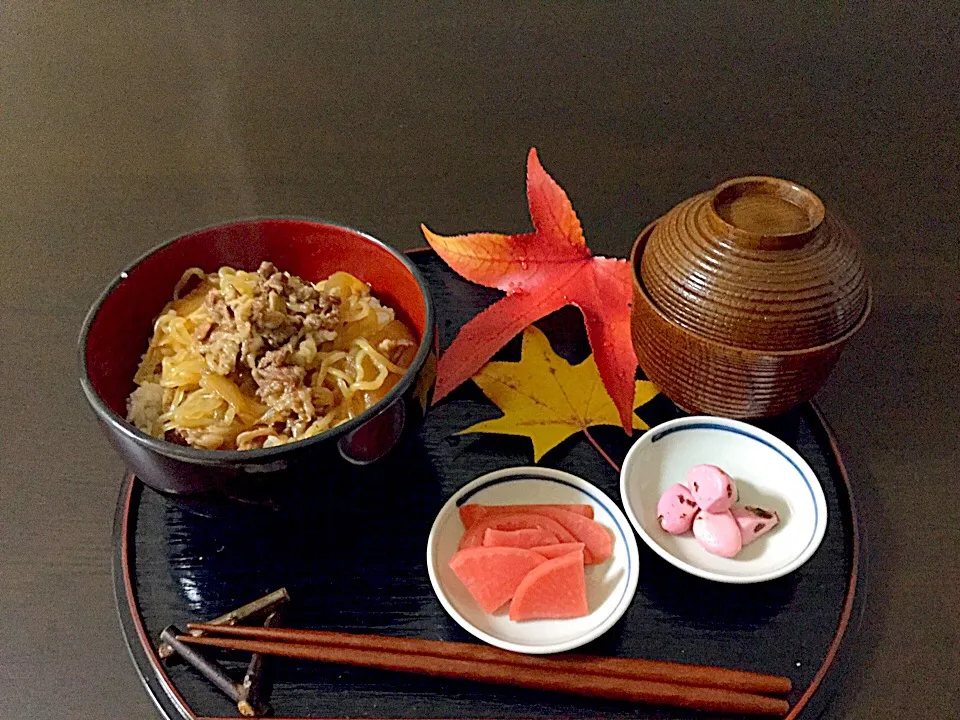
<point>349,544</point>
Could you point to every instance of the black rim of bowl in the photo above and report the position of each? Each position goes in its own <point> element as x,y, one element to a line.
<point>217,457</point>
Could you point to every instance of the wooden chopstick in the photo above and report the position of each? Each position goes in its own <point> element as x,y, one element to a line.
<point>628,668</point>
<point>568,681</point>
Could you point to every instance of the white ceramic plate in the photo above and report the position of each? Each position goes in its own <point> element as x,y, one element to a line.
<point>610,585</point>
<point>768,473</point>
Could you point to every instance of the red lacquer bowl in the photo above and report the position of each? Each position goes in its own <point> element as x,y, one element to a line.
<point>118,326</point>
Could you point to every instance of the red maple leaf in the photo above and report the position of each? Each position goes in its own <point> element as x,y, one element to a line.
<point>541,272</point>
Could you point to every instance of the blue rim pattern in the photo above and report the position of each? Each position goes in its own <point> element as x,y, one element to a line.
<point>738,431</point>
<point>600,503</point>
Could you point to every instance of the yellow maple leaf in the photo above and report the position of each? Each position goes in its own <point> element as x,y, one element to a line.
<point>545,398</point>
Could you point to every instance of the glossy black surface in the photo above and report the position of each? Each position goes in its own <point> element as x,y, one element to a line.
<point>352,554</point>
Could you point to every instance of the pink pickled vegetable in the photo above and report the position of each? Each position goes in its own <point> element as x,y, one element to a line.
<point>711,487</point>
<point>754,522</point>
<point>676,509</point>
<point>718,533</point>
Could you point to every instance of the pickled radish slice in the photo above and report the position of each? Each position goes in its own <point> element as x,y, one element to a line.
<point>492,574</point>
<point>522,538</point>
<point>555,590</point>
<point>470,513</point>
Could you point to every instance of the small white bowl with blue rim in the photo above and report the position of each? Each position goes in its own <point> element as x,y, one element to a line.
<point>611,585</point>
<point>768,473</point>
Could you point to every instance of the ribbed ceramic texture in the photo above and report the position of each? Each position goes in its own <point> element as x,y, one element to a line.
<point>703,376</point>
<point>774,292</point>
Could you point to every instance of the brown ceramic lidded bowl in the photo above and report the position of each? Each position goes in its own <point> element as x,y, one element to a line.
<point>744,298</point>
<point>756,263</point>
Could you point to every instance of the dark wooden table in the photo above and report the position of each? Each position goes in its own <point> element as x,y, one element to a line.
<point>122,125</point>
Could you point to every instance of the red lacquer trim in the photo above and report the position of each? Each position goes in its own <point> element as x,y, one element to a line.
<point>145,643</point>
<point>847,610</point>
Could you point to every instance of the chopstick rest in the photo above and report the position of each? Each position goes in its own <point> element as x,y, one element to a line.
<point>210,669</point>
<point>248,695</point>
<point>252,687</point>
<point>255,608</point>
